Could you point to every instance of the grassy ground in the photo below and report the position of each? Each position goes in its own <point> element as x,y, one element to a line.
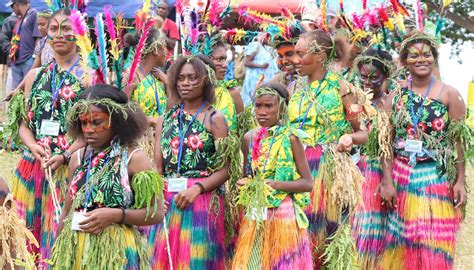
<point>465,247</point>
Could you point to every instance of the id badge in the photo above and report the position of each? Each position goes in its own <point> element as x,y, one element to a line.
<point>356,157</point>
<point>258,213</point>
<point>177,184</point>
<point>49,128</point>
<point>413,146</point>
<point>77,218</point>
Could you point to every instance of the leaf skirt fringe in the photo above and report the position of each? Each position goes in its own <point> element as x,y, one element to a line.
<point>421,232</point>
<point>278,243</point>
<point>196,234</point>
<point>34,201</point>
<point>117,247</point>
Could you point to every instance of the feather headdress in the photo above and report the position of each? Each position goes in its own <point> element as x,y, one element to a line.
<point>81,30</point>
<point>147,25</point>
<point>101,45</point>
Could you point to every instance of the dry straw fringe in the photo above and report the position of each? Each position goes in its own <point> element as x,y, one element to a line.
<point>343,182</point>
<point>14,238</point>
<point>379,144</point>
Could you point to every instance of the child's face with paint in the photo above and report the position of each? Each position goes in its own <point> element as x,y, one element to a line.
<point>371,78</point>
<point>420,59</point>
<point>61,35</point>
<point>285,55</point>
<point>267,110</point>
<point>96,127</point>
<point>306,62</point>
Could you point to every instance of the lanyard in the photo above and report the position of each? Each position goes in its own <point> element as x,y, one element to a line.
<point>157,99</point>
<point>303,120</point>
<point>181,133</point>
<point>58,87</point>
<point>17,32</point>
<point>88,175</point>
<point>416,117</point>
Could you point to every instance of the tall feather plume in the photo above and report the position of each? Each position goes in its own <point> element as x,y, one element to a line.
<point>146,6</point>
<point>324,15</point>
<point>114,50</point>
<point>364,5</point>
<point>400,8</point>
<point>418,15</point>
<point>214,13</point>
<point>138,53</point>
<point>79,26</point>
<point>357,21</point>
<point>101,44</point>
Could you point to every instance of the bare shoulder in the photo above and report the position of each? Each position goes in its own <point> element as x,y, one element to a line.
<point>138,160</point>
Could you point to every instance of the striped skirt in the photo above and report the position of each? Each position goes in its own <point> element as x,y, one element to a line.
<point>421,232</point>
<point>278,244</point>
<point>195,235</point>
<point>34,201</point>
<point>368,227</point>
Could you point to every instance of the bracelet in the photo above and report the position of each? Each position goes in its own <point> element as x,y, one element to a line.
<point>201,187</point>
<point>123,215</point>
<point>67,157</point>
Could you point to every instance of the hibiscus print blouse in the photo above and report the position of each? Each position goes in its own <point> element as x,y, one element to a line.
<point>41,103</point>
<point>198,146</point>
<point>433,122</point>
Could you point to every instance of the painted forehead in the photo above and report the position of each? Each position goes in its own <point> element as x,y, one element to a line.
<point>419,47</point>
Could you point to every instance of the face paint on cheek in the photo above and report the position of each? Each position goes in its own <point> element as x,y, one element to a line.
<point>88,119</point>
<point>70,37</point>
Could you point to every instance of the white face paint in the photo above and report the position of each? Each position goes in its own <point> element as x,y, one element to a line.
<point>229,55</point>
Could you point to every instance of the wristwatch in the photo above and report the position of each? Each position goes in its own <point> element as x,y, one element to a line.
<point>67,156</point>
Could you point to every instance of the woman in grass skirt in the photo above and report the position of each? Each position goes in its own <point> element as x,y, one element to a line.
<point>424,183</point>
<point>189,142</point>
<point>41,178</point>
<point>274,233</point>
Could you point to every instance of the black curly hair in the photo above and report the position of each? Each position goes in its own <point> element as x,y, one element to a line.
<point>127,127</point>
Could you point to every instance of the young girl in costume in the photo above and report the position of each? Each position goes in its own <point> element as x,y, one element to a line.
<point>424,183</point>
<point>41,178</point>
<point>189,149</point>
<point>150,93</point>
<point>113,187</point>
<point>325,108</point>
<point>375,68</point>
<point>274,157</point>
<point>228,99</point>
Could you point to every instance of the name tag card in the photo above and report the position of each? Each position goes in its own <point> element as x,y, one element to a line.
<point>77,218</point>
<point>50,128</point>
<point>177,184</point>
<point>258,214</point>
<point>414,146</point>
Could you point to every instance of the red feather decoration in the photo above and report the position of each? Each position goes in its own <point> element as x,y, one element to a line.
<point>141,44</point>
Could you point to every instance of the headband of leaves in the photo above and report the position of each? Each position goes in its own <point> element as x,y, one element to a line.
<point>282,106</point>
<point>315,47</point>
<point>369,59</point>
<point>82,106</point>
<point>210,71</point>
<point>159,43</point>
<point>418,36</point>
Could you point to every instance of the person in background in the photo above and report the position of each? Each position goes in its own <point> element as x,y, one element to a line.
<point>169,27</point>
<point>6,36</point>
<point>260,61</point>
<point>24,38</point>
<point>43,52</point>
<point>286,51</point>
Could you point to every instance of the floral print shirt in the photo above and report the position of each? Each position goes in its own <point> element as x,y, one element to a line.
<point>108,184</point>
<point>318,111</point>
<point>198,146</point>
<point>151,96</point>
<point>433,122</point>
<point>41,102</point>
